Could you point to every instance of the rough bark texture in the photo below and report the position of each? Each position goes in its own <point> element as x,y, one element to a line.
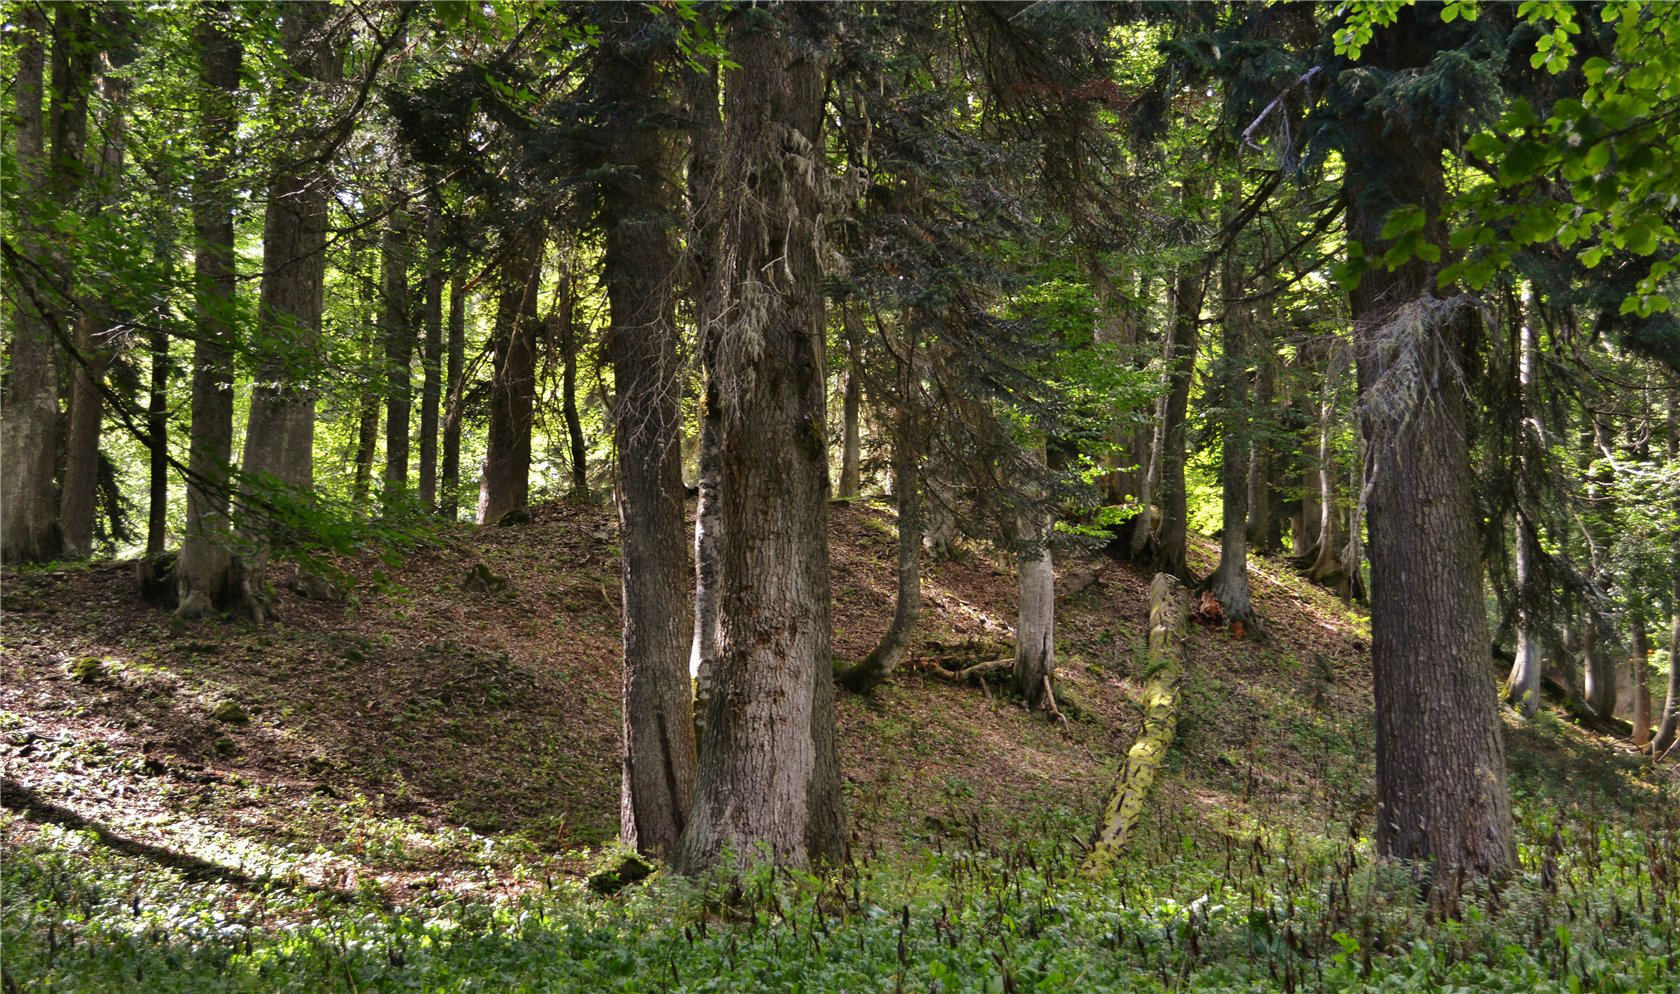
<point>506,481</point>
<point>1173,533</point>
<point>1669,729</point>
<point>1229,583</point>
<point>1169,613</point>
<point>577,448</point>
<point>1522,688</point>
<point>72,79</point>
<point>640,213</point>
<point>449,504</point>
<point>1035,622</point>
<point>397,332</point>
<point>867,673</point>
<point>1441,789</point>
<point>431,362</point>
<point>206,572</point>
<point>1639,672</point>
<point>1261,533</point>
<point>769,777</point>
<point>280,433</point>
<point>29,413</point>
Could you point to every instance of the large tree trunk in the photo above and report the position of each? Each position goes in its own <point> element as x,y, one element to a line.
<point>450,503</point>
<point>72,78</point>
<point>1035,620</point>
<point>280,432</point>
<point>206,572</point>
<point>29,415</point>
<point>769,777</point>
<point>1229,583</point>
<point>157,443</point>
<point>397,331</point>
<point>865,675</point>
<point>506,481</point>
<point>94,341</point>
<point>431,361</point>
<point>1639,672</point>
<point>639,272</point>
<point>1173,533</point>
<point>1441,789</point>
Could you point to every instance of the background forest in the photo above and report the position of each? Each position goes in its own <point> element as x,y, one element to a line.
<point>545,495</point>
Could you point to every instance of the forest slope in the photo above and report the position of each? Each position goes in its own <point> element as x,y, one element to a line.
<point>430,737</point>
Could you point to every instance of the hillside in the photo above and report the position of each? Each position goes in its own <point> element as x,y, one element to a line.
<point>425,741</point>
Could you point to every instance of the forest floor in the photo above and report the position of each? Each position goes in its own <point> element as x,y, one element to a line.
<point>423,742</point>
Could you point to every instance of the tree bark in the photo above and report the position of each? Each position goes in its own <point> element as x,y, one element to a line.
<point>397,331</point>
<point>852,401</point>
<point>1669,729</point>
<point>1229,583</point>
<point>206,573</point>
<point>72,79</point>
<point>431,356</point>
<point>577,447</point>
<point>29,415</point>
<point>639,215</point>
<point>280,431</point>
<point>506,481</point>
<point>1441,789</point>
<point>1259,527</point>
<point>1523,685</point>
<point>450,485</point>
<point>1639,672</point>
<point>1173,533</point>
<point>867,673</point>
<point>769,776</point>
<point>1035,622</point>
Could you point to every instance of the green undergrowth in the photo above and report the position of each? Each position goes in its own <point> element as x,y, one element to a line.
<point>1593,906</point>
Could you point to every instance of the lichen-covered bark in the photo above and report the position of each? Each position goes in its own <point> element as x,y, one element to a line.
<point>769,776</point>
<point>1035,620</point>
<point>1441,790</point>
<point>1169,611</point>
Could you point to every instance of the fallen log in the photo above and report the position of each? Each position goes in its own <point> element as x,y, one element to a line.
<point>1169,613</point>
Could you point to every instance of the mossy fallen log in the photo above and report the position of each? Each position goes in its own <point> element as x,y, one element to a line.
<point>1169,613</point>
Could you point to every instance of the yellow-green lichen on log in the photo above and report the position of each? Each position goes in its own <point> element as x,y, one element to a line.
<point>1169,612</point>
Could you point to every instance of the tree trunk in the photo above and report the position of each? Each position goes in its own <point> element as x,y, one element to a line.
<point>1523,685</point>
<point>639,271</point>
<point>1669,729</point>
<point>1639,671</point>
<point>431,356</point>
<point>769,777</point>
<point>29,415</point>
<point>280,432</point>
<point>206,574</point>
<point>1259,528</point>
<point>1229,583</point>
<point>506,482</point>
<point>396,327</point>
<point>850,469</point>
<point>450,503</point>
<point>72,77</point>
<point>157,443</point>
<point>707,298</point>
<point>865,675</point>
<point>1169,612</point>
<point>1035,622</point>
<point>1327,556</point>
<point>1173,533</point>
<point>1440,753</point>
<point>578,448</point>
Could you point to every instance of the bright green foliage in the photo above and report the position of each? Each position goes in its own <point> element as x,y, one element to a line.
<point>1586,912</point>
